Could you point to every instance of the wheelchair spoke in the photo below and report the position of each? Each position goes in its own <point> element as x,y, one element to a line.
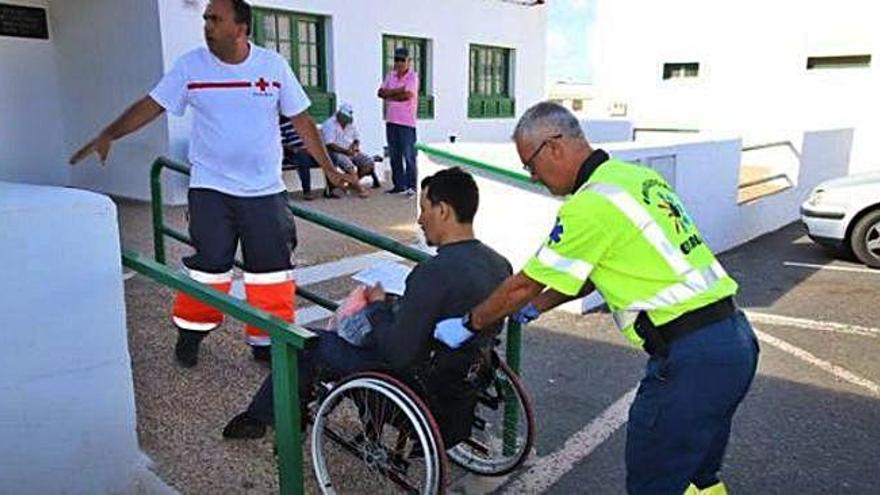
<point>364,439</point>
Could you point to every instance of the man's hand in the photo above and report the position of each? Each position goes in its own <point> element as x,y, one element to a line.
<point>526,314</point>
<point>452,332</point>
<point>375,293</point>
<point>133,118</point>
<point>100,145</point>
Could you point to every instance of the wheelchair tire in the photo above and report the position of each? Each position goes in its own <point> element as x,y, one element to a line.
<point>372,434</point>
<point>504,407</point>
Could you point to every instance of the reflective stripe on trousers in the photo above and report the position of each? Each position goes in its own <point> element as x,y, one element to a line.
<point>190,313</point>
<point>275,294</point>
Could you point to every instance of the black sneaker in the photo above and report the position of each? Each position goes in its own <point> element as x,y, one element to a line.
<point>187,348</point>
<point>395,191</point>
<point>244,426</point>
<point>329,194</point>
<point>262,353</point>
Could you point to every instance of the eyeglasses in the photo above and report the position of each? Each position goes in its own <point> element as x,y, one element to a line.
<point>528,165</point>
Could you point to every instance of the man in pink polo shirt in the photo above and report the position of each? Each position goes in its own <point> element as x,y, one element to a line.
<point>400,90</point>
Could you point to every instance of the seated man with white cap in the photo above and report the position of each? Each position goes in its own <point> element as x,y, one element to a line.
<point>342,139</point>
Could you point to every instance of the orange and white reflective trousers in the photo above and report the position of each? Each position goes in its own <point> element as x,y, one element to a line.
<point>273,292</point>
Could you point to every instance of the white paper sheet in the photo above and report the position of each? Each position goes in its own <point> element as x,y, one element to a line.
<point>391,275</point>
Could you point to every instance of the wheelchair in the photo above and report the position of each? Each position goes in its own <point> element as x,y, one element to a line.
<point>372,433</point>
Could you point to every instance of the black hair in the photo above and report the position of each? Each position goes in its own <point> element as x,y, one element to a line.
<point>242,13</point>
<point>456,188</point>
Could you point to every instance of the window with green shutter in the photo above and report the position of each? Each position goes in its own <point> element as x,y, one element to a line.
<point>301,40</point>
<point>418,51</point>
<point>490,94</point>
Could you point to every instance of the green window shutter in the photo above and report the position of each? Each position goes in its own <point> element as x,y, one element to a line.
<point>301,40</point>
<point>323,105</point>
<point>489,86</point>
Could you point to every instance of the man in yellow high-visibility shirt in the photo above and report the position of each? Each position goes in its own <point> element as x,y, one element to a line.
<point>624,232</point>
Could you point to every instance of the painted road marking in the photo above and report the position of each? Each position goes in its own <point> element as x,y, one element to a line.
<point>546,471</point>
<point>831,267</point>
<point>837,371</point>
<point>771,319</point>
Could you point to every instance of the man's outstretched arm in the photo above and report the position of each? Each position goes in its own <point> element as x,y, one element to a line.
<point>511,295</point>
<point>136,116</point>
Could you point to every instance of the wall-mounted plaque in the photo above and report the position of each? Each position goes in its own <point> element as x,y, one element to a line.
<point>23,22</point>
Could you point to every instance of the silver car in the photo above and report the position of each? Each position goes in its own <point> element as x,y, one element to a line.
<point>845,213</point>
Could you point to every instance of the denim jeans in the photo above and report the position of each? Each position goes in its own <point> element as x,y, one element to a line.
<point>679,423</point>
<point>331,353</point>
<point>303,162</point>
<point>402,147</point>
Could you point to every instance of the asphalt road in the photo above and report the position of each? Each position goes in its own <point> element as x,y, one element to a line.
<point>811,423</point>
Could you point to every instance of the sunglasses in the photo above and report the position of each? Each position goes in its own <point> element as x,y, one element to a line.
<point>399,59</point>
<point>528,165</point>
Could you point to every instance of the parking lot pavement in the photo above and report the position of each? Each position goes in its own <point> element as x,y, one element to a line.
<point>811,423</point>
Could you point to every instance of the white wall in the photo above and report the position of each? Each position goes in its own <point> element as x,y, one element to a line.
<point>704,170</point>
<point>30,127</point>
<point>607,130</point>
<point>752,55</point>
<point>355,56</point>
<point>67,413</point>
<point>108,55</point>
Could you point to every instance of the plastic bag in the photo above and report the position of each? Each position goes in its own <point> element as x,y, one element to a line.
<point>355,301</point>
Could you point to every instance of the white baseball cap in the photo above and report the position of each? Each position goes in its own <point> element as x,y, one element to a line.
<point>345,109</point>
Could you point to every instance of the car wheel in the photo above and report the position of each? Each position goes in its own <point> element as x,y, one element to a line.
<point>865,239</point>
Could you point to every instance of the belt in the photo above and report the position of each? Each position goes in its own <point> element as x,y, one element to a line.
<point>683,325</point>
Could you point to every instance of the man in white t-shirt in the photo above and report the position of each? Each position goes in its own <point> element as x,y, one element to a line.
<point>235,91</point>
<point>343,142</point>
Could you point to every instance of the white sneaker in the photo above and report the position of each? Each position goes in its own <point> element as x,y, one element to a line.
<point>410,192</point>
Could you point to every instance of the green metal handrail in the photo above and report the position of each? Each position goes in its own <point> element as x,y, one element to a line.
<point>287,341</point>
<point>290,466</point>
<point>470,162</point>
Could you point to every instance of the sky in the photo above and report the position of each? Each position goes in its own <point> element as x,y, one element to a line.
<point>567,25</point>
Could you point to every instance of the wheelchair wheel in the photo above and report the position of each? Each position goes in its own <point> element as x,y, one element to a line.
<point>504,428</point>
<point>372,434</point>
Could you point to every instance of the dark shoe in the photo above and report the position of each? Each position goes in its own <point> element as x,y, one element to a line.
<point>187,348</point>
<point>395,191</point>
<point>377,185</point>
<point>244,427</point>
<point>262,353</point>
<point>308,196</point>
<point>329,194</point>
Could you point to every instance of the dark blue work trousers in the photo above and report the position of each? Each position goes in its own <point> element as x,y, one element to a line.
<point>679,423</point>
<point>401,141</point>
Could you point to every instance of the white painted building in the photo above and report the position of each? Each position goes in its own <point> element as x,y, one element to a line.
<point>763,70</point>
<point>483,64</point>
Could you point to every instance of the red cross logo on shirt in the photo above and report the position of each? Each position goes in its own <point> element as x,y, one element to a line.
<point>262,84</point>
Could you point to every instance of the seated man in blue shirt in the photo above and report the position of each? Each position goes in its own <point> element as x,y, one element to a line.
<point>462,273</point>
<point>296,156</point>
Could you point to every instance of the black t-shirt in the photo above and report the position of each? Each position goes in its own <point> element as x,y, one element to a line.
<point>462,275</point>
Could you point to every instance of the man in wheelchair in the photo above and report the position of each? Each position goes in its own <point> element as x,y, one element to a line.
<point>462,274</point>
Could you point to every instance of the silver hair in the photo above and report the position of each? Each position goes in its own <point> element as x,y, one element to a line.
<point>547,119</point>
